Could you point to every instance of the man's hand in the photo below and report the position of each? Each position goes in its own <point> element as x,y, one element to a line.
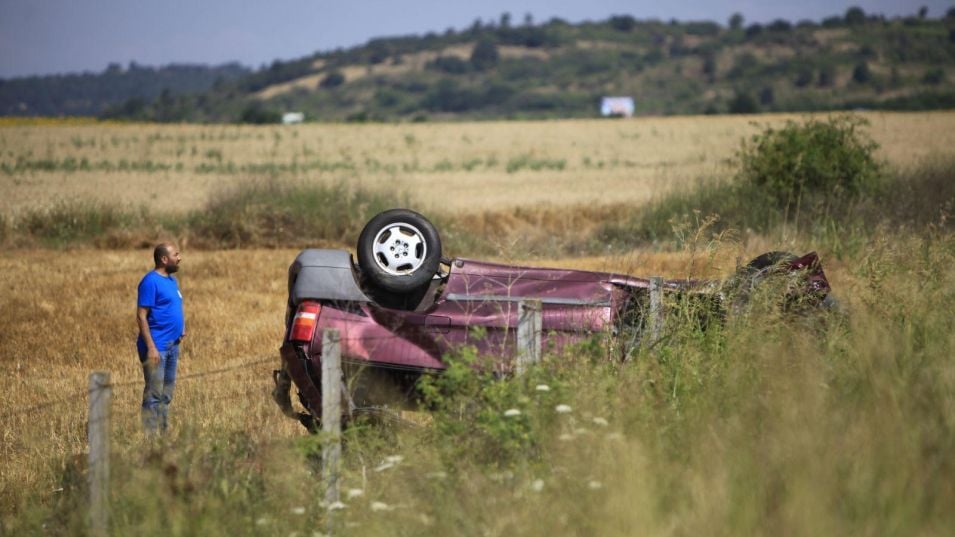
<point>153,356</point>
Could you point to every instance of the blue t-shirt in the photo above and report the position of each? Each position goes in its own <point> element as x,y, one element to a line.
<point>161,295</point>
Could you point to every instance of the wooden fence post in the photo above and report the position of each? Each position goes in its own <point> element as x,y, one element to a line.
<point>100,393</point>
<point>656,309</point>
<point>528,334</point>
<point>331,412</point>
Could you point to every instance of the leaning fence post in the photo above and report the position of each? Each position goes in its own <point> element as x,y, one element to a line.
<point>656,309</point>
<point>331,412</point>
<point>528,334</point>
<point>98,437</point>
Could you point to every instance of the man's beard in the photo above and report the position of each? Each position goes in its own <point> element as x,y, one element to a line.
<point>170,268</point>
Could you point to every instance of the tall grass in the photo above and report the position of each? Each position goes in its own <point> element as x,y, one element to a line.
<point>277,214</point>
<point>914,198</point>
<point>66,223</point>
<point>766,424</point>
<point>252,214</point>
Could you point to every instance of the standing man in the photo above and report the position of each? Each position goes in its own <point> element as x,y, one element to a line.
<point>161,329</point>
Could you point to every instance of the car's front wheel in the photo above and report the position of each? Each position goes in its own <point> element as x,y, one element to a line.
<point>399,251</point>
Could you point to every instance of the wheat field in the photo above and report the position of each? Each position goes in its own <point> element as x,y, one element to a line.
<point>460,167</point>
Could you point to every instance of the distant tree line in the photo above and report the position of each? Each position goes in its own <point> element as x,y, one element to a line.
<point>554,69</point>
<point>89,94</point>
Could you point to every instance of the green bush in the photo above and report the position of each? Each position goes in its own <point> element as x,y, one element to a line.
<point>257,114</point>
<point>71,222</point>
<point>332,79</point>
<point>832,158</point>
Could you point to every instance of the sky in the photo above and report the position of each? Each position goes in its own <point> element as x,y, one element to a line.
<point>65,36</point>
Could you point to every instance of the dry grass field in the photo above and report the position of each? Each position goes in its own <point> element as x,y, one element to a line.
<point>780,427</point>
<point>442,167</point>
<point>68,313</point>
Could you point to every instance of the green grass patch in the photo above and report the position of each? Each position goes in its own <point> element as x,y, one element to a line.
<point>68,223</point>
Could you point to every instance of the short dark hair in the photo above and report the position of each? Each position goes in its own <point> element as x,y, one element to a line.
<point>160,250</point>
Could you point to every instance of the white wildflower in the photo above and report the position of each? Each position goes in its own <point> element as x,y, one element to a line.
<point>394,459</point>
<point>262,521</point>
<point>354,493</point>
<point>506,475</point>
<point>384,466</point>
<point>336,506</point>
<point>542,388</point>
<point>600,421</point>
<point>297,510</point>
<point>511,412</point>
<point>595,485</point>
<point>562,409</point>
<point>380,506</point>
<point>537,485</point>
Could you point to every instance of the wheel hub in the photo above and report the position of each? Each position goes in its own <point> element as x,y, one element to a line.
<point>400,249</point>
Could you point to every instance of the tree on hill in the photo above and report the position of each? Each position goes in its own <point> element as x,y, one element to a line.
<point>736,21</point>
<point>332,79</point>
<point>743,103</point>
<point>854,16</point>
<point>505,21</point>
<point>257,114</point>
<point>622,23</point>
<point>485,55</point>
<point>827,76</point>
<point>861,73</point>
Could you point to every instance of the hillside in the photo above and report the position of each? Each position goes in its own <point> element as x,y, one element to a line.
<point>86,94</point>
<point>557,69</point>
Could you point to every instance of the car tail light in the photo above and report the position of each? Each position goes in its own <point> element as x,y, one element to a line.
<point>303,324</point>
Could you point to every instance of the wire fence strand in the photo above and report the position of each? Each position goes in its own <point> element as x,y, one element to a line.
<point>74,396</point>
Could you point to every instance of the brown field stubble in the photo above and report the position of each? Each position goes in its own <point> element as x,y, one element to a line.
<point>66,314</point>
<point>460,167</point>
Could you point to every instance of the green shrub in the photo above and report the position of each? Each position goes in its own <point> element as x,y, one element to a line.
<point>70,222</point>
<point>332,79</point>
<point>743,103</point>
<point>257,114</point>
<point>832,158</point>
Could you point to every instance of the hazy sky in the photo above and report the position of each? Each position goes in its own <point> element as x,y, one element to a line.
<point>58,36</point>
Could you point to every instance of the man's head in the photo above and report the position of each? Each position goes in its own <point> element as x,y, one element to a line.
<point>167,257</point>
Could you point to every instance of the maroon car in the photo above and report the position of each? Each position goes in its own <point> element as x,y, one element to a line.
<point>402,307</point>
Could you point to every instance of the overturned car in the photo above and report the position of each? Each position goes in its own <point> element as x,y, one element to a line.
<point>402,307</point>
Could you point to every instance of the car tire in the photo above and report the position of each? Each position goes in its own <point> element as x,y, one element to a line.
<point>399,251</point>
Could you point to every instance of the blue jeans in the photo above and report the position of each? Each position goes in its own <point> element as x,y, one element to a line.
<point>160,383</point>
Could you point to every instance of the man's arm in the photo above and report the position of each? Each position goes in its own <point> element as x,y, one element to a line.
<point>152,353</point>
